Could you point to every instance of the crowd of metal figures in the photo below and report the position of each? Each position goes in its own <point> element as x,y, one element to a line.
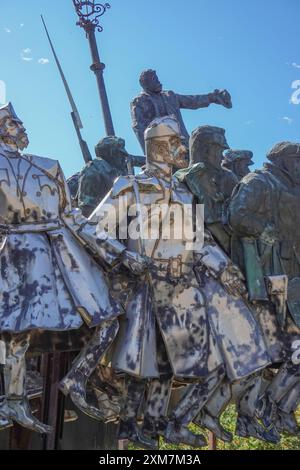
<point>220,323</point>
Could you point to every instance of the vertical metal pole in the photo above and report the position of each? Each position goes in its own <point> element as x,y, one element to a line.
<point>97,67</point>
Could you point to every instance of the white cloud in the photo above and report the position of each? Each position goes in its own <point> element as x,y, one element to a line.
<point>297,66</point>
<point>287,119</point>
<point>249,123</point>
<point>7,30</point>
<point>26,54</point>
<point>43,61</point>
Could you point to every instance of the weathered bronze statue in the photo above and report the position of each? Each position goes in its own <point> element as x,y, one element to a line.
<point>153,102</point>
<point>238,161</point>
<point>210,183</point>
<point>264,213</point>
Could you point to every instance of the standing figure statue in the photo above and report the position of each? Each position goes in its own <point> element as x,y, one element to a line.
<point>238,161</point>
<point>210,183</point>
<point>95,180</point>
<point>48,279</point>
<point>153,102</point>
<point>264,213</point>
<point>180,322</point>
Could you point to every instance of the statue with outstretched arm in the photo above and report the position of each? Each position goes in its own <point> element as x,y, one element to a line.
<point>154,102</point>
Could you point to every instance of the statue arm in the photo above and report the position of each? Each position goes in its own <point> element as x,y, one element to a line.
<point>194,101</point>
<point>137,120</point>
<point>219,265</point>
<point>87,232</point>
<point>221,97</point>
<point>110,220</point>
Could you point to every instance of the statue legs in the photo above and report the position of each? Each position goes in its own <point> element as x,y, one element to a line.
<point>15,406</point>
<point>247,422</point>
<point>209,416</point>
<point>286,420</point>
<point>193,400</point>
<point>133,399</point>
<point>75,382</point>
<point>284,381</point>
<point>281,398</point>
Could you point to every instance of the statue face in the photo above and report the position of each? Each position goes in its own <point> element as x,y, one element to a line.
<point>242,168</point>
<point>16,132</point>
<point>178,153</point>
<point>292,165</point>
<point>152,84</point>
<point>215,155</point>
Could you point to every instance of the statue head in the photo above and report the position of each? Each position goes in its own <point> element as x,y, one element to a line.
<point>149,82</point>
<point>286,155</point>
<point>207,144</point>
<point>238,161</point>
<point>12,131</point>
<point>164,143</point>
<point>112,150</point>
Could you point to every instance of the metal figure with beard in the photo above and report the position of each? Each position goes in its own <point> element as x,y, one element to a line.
<point>48,279</point>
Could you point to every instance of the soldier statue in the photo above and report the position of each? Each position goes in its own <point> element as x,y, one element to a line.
<point>212,185</point>
<point>153,102</point>
<point>182,317</point>
<point>264,213</point>
<point>48,280</point>
<point>238,161</point>
<point>89,186</point>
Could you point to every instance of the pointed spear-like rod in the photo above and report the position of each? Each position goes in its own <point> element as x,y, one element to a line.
<point>74,114</point>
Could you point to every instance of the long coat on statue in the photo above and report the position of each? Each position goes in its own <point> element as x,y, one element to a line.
<point>167,306</point>
<point>48,280</point>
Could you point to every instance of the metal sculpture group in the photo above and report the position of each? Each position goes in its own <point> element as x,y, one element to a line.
<point>219,316</point>
<point>184,275</point>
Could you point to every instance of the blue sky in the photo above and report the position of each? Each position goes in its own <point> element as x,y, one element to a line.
<point>250,47</point>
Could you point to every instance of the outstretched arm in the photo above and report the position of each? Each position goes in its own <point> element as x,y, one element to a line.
<point>221,97</point>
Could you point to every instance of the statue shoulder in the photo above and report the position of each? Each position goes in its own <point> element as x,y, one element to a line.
<point>139,100</point>
<point>169,93</point>
<point>96,166</point>
<point>185,174</point>
<point>122,185</point>
<point>48,164</point>
<point>228,174</point>
<point>255,177</point>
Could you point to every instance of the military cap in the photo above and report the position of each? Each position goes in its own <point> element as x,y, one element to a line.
<point>7,111</point>
<point>284,149</point>
<point>209,135</point>
<point>166,126</point>
<point>232,156</point>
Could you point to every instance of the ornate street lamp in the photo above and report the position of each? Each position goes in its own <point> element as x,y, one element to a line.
<point>89,13</point>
